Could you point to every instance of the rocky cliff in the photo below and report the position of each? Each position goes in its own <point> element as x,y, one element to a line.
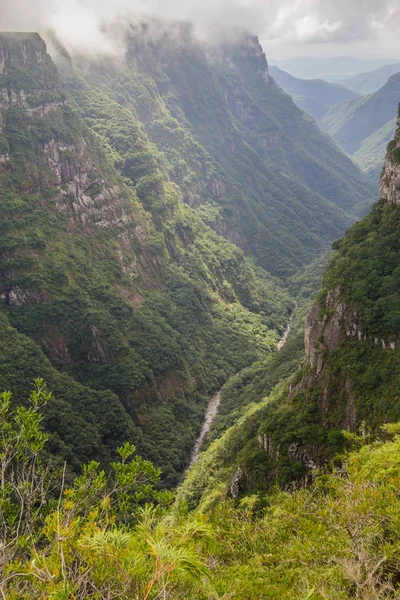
<point>352,332</point>
<point>128,194</point>
<point>390,179</point>
<point>353,309</point>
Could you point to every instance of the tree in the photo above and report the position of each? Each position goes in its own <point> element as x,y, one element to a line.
<point>108,535</point>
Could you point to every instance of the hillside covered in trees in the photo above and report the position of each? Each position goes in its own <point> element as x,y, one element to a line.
<point>364,126</point>
<point>150,218</point>
<point>165,219</point>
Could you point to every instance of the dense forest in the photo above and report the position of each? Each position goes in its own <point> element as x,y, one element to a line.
<point>113,535</point>
<point>344,380</point>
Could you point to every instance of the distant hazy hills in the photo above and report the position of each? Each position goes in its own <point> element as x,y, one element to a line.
<point>353,121</point>
<point>366,83</point>
<point>315,96</point>
<point>370,155</point>
<point>334,68</point>
<point>364,126</point>
<point>359,113</point>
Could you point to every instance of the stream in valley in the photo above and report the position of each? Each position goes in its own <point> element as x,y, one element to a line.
<point>214,403</point>
<point>284,337</point>
<point>210,415</point>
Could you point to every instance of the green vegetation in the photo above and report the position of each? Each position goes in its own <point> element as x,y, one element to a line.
<point>104,534</point>
<point>315,96</point>
<point>254,383</point>
<point>336,539</point>
<point>125,202</point>
<point>113,535</point>
<point>253,386</point>
<point>276,183</point>
<point>136,209</point>
<point>364,126</point>
<point>371,154</point>
<point>276,437</point>
<point>366,268</point>
<point>118,281</point>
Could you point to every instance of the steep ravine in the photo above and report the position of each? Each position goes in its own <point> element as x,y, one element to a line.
<point>284,337</point>
<point>113,281</point>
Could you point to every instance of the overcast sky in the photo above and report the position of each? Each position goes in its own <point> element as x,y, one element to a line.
<point>286,27</point>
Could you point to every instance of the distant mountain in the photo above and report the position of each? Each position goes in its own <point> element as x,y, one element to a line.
<point>334,68</point>
<point>366,83</point>
<point>351,122</point>
<point>315,96</point>
<point>369,156</point>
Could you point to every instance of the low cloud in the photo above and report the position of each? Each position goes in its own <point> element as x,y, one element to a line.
<point>82,24</point>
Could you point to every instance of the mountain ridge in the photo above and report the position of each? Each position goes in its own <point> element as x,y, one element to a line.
<point>351,122</point>
<point>371,81</point>
<point>315,96</point>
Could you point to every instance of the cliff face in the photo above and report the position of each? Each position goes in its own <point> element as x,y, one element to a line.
<point>390,179</point>
<point>116,188</point>
<point>32,96</point>
<point>336,319</point>
<point>355,321</point>
<point>28,77</point>
<point>349,379</point>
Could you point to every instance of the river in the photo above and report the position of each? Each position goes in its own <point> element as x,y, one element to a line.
<point>210,415</point>
<point>214,403</point>
<point>284,337</point>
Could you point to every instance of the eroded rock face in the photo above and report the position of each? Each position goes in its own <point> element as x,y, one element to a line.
<point>332,322</point>
<point>21,297</point>
<point>267,443</point>
<point>235,482</point>
<point>326,327</point>
<point>36,87</point>
<point>70,177</point>
<point>79,189</point>
<point>329,325</point>
<point>390,180</point>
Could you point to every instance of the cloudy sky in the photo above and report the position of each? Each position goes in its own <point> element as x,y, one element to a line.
<point>286,27</point>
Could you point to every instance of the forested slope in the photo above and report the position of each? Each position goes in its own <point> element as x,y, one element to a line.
<point>348,381</point>
<point>133,256</point>
<point>270,181</point>
<point>116,280</point>
<point>112,534</point>
<point>123,209</point>
<point>315,96</point>
<point>353,121</point>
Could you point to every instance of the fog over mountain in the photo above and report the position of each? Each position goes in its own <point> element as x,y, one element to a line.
<point>81,23</point>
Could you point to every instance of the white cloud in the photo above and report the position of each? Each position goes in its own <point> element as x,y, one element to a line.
<point>80,23</point>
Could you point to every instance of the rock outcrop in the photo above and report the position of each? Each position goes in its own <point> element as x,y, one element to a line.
<point>336,320</point>
<point>390,179</point>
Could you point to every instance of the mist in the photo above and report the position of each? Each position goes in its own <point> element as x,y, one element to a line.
<point>81,25</point>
